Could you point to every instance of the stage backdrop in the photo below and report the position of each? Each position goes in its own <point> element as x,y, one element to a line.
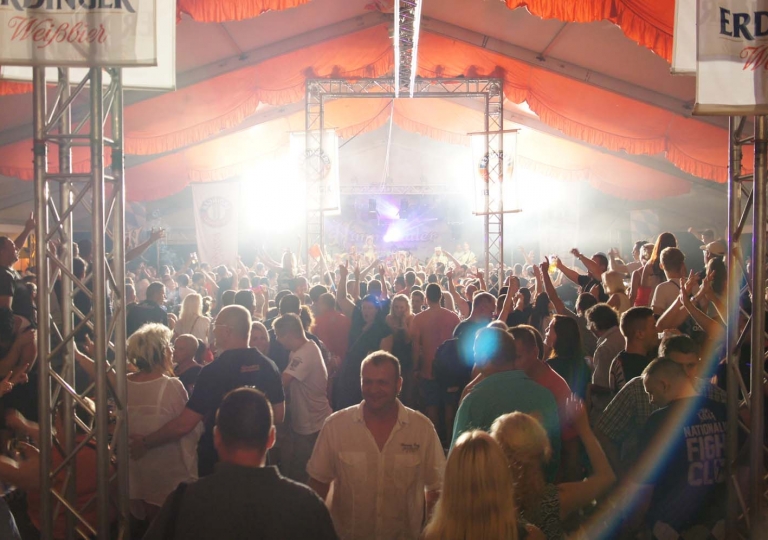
<point>216,228</point>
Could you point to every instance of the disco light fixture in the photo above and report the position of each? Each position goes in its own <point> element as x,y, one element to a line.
<point>407,22</point>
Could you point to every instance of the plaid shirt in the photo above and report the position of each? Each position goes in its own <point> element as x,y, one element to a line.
<point>627,413</point>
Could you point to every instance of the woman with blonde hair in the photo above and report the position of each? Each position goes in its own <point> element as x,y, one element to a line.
<point>191,319</point>
<point>526,446</point>
<point>154,398</point>
<point>478,498</point>
<point>613,285</point>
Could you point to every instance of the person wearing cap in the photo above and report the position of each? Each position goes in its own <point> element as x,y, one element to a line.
<point>714,250</point>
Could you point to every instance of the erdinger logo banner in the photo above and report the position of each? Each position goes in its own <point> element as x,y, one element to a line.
<point>115,33</point>
<point>732,57</point>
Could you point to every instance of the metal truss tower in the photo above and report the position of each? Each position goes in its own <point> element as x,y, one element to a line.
<point>82,411</point>
<point>746,500</point>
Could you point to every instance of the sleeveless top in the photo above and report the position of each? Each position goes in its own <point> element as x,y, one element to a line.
<point>644,295</point>
<point>402,349</point>
<point>546,516</point>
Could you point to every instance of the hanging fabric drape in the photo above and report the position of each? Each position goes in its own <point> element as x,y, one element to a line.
<point>445,120</point>
<point>232,10</point>
<point>647,22</point>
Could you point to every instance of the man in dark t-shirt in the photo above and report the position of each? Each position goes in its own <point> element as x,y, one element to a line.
<point>149,311</point>
<point>236,366</point>
<point>243,498</point>
<point>638,326</point>
<point>685,452</point>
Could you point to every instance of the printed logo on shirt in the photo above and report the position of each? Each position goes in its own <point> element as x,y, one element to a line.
<point>250,369</point>
<point>296,362</point>
<point>705,450</point>
<point>410,448</point>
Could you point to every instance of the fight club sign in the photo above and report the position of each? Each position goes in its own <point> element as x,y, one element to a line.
<point>115,33</point>
<point>732,57</point>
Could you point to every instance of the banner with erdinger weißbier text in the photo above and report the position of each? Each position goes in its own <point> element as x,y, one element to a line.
<point>732,57</point>
<point>216,227</point>
<point>86,33</point>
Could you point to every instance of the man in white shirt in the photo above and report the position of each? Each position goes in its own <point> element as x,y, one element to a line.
<point>385,460</point>
<point>305,381</point>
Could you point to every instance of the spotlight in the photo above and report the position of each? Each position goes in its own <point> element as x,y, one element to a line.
<point>372,212</point>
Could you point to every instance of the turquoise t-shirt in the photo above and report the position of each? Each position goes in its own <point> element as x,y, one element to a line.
<point>506,392</point>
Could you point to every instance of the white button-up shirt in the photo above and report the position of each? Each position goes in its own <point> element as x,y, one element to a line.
<point>378,495</point>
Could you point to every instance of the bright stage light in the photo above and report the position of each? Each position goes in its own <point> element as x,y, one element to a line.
<point>272,199</point>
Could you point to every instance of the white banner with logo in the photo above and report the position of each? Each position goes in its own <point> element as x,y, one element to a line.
<point>732,57</point>
<point>510,188</point>
<point>216,220</point>
<point>159,77</point>
<point>327,166</point>
<point>78,32</point>
<point>684,38</point>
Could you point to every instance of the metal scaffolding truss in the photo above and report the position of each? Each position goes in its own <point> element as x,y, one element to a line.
<point>746,500</point>
<point>406,43</point>
<point>397,189</point>
<point>491,167</point>
<point>83,410</point>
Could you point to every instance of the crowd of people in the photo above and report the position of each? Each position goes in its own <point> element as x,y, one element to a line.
<point>398,398</point>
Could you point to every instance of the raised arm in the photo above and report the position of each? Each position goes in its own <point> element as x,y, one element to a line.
<point>458,301</point>
<point>453,259</point>
<point>570,273</point>
<point>29,226</point>
<point>527,257</point>
<point>615,264</point>
<point>346,307</point>
<point>549,288</point>
<point>384,285</point>
<point>576,495</point>
<point>711,326</point>
<point>89,366</point>
<point>592,267</point>
<point>137,252</point>
<point>509,300</point>
<point>269,261</point>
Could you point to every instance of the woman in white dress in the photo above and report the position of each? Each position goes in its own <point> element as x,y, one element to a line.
<point>191,319</point>
<point>154,398</point>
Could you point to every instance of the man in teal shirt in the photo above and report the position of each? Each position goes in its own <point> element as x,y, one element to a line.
<point>503,388</point>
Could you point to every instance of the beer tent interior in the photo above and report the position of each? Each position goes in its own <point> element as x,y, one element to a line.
<point>587,81</point>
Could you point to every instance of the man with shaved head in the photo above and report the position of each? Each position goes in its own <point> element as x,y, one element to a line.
<point>237,365</point>
<point>685,442</point>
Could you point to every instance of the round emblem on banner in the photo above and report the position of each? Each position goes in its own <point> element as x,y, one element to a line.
<point>482,168</point>
<point>316,164</point>
<point>216,212</point>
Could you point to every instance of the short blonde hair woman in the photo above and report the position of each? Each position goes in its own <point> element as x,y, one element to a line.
<point>191,319</point>
<point>154,398</point>
<point>613,284</point>
<point>477,501</point>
